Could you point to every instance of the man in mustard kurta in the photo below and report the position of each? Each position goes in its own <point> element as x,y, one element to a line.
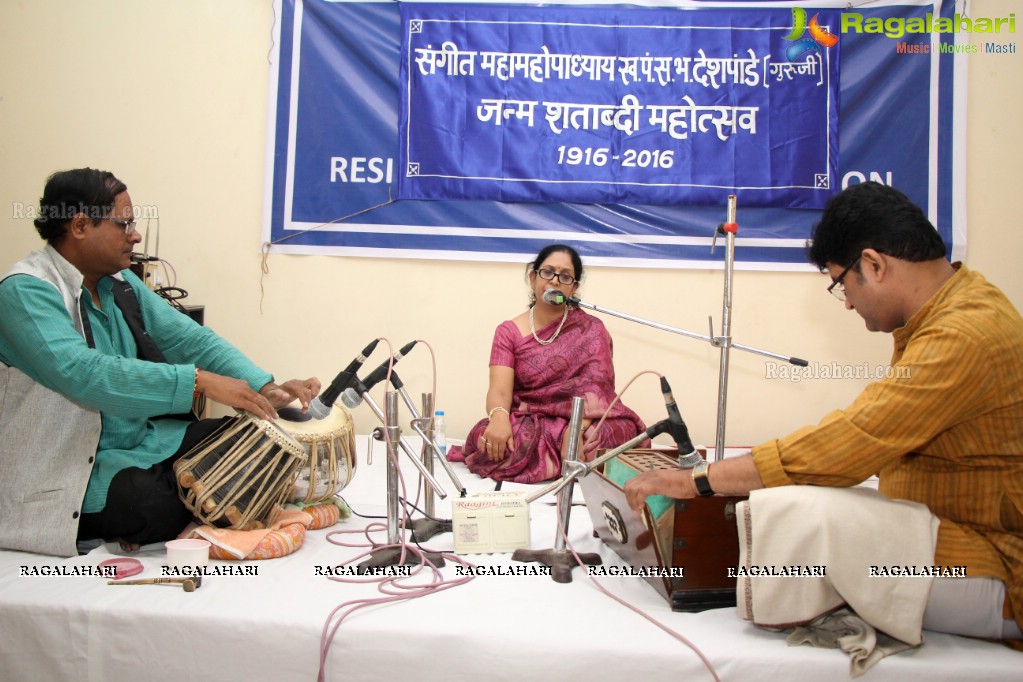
<point>946,430</point>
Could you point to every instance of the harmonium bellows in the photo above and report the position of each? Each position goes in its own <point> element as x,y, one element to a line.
<point>696,538</point>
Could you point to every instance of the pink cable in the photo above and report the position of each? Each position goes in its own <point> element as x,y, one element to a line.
<point>397,589</point>
<point>680,637</point>
<point>394,586</point>
<point>677,635</point>
<point>618,396</point>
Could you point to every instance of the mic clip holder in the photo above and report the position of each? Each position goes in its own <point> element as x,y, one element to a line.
<point>689,461</point>
<point>679,434</point>
<point>719,341</point>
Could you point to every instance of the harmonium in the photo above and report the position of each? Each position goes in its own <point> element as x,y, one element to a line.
<point>684,548</point>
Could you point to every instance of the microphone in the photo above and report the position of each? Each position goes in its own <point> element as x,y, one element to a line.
<point>677,428</point>
<point>321,404</point>
<point>352,396</point>
<point>554,297</point>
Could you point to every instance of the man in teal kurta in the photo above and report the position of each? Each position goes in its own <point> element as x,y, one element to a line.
<point>82,452</point>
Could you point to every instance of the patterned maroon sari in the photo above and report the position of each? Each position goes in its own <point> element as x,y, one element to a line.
<point>577,363</point>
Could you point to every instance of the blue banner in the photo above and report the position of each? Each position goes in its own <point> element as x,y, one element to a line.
<point>334,143</point>
<point>612,105</point>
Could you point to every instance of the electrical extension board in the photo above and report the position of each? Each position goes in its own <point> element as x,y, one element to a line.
<point>485,523</point>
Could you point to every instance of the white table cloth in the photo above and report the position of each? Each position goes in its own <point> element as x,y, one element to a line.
<point>268,626</point>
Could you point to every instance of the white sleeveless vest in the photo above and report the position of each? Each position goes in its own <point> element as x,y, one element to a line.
<point>47,442</point>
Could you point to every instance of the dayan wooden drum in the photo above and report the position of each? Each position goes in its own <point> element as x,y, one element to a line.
<point>329,444</point>
<point>241,474</point>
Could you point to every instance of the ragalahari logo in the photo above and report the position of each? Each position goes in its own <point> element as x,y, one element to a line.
<point>819,37</point>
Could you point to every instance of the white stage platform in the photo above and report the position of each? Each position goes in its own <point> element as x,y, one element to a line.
<point>268,626</point>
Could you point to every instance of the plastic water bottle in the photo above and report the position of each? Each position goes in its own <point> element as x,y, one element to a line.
<point>439,436</point>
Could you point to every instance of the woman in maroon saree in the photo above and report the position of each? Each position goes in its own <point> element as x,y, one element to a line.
<point>539,361</point>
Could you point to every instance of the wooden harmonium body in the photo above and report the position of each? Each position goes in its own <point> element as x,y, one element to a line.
<point>697,538</point>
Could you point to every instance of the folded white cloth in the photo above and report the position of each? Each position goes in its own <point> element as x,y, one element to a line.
<point>844,630</point>
<point>831,544</point>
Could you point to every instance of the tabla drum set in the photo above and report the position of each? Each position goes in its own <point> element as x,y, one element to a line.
<point>246,470</point>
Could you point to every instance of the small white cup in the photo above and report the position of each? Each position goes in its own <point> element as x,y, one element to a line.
<point>188,552</point>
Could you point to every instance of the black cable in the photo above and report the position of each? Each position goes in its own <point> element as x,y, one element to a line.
<point>432,518</point>
<point>361,516</point>
<point>172,295</point>
<point>408,524</point>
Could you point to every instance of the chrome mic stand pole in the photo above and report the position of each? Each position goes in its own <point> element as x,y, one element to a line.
<point>724,342</point>
<point>393,434</point>
<point>407,449</point>
<point>711,339</point>
<point>425,528</point>
<point>559,559</point>
<point>575,470</point>
<point>426,420</point>
<point>426,453</point>
<point>393,553</point>
<point>572,455</point>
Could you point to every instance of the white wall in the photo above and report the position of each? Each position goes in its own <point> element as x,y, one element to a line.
<point>171,96</point>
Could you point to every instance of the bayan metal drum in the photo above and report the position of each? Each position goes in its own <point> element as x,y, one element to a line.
<point>241,474</point>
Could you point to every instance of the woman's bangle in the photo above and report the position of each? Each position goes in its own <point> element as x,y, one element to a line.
<point>490,415</point>
<point>195,386</point>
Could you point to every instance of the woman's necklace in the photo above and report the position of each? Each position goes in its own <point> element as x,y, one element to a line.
<point>532,328</point>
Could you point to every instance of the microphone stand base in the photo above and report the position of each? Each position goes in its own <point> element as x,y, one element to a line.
<point>391,556</point>
<point>560,561</point>
<point>424,529</point>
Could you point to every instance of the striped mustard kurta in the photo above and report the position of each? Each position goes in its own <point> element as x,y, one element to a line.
<point>946,431</point>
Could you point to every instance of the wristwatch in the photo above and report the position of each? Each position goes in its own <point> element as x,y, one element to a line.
<point>702,480</point>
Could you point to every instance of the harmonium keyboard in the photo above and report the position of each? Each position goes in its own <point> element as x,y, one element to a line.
<point>685,546</point>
